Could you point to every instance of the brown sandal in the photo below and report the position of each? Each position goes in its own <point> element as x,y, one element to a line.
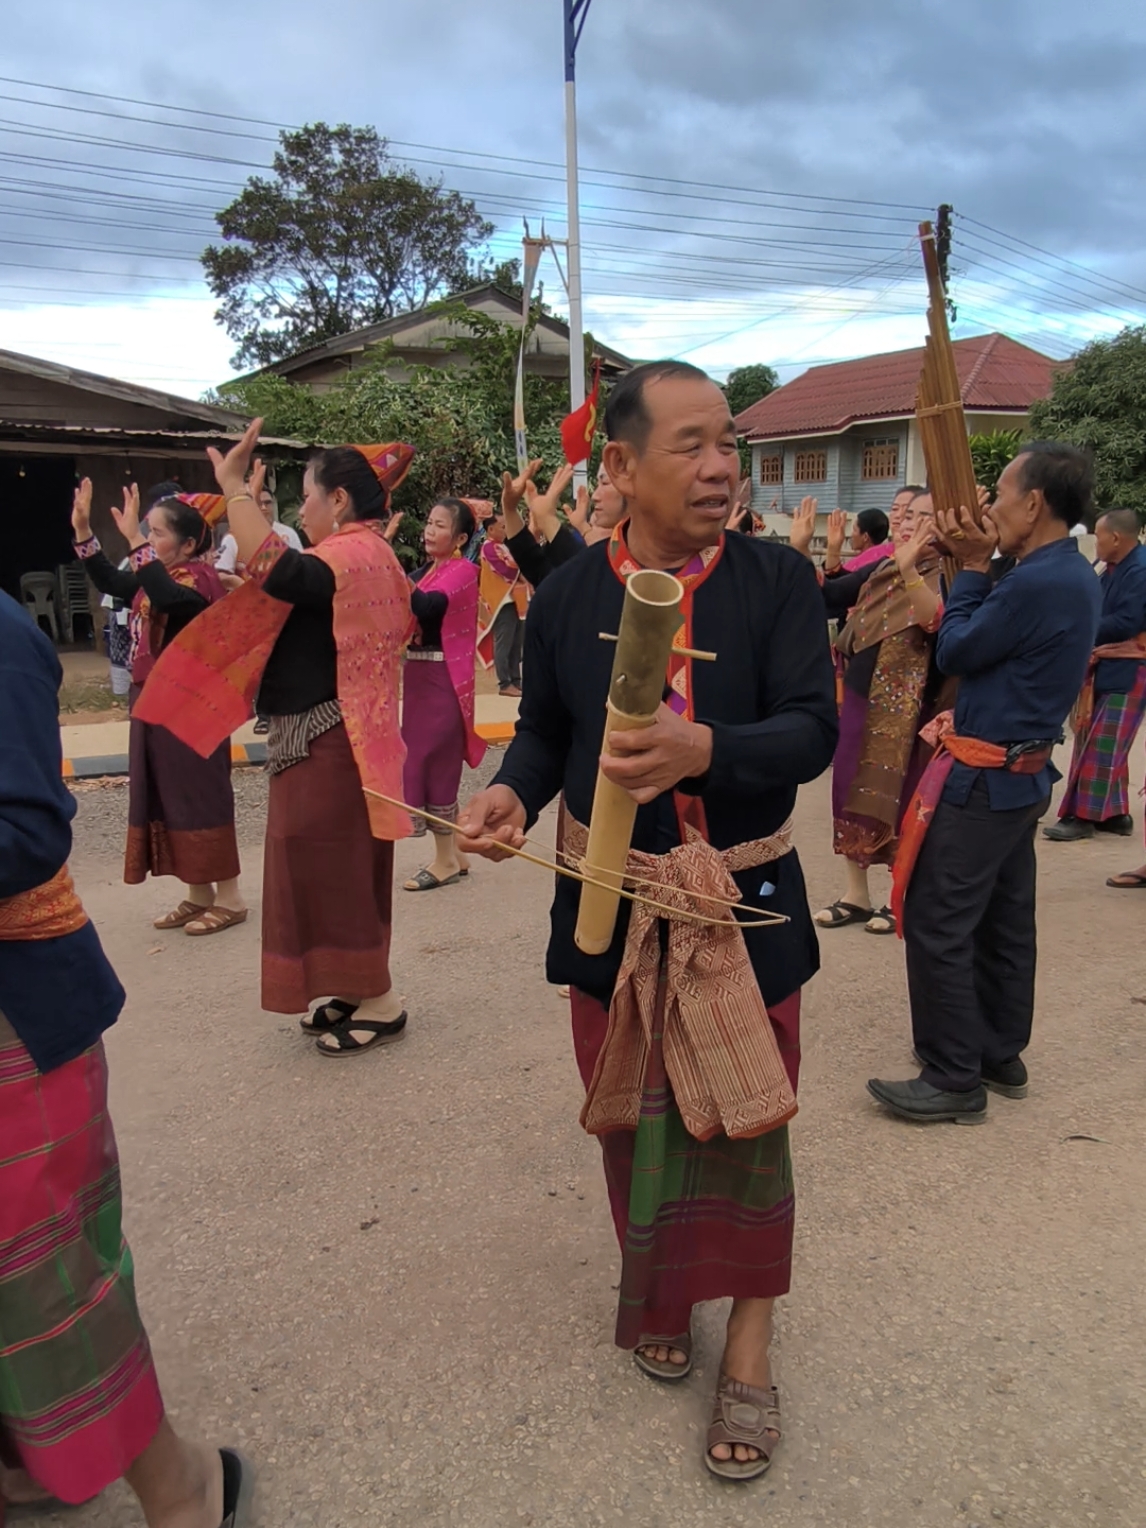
<point>185,913</point>
<point>747,1415</point>
<point>215,919</point>
<point>664,1369</point>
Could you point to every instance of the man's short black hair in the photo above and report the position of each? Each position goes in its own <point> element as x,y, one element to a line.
<point>626,417</point>
<point>1123,522</point>
<point>1064,476</point>
<point>874,524</point>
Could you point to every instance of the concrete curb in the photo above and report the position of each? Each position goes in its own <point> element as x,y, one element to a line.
<point>100,765</point>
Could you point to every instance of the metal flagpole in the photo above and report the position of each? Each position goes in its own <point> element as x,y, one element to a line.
<point>575,12</point>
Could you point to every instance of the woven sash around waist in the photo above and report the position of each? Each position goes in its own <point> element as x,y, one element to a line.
<point>289,737</point>
<point>720,1052</point>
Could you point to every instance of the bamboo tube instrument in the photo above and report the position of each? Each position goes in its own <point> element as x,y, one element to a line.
<point>939,404</point>
<point>650,618</point>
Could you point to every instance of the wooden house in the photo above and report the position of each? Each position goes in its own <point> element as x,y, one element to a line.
<point>846,435</point>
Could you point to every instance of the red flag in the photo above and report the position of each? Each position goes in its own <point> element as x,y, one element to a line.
<point>578,428</point>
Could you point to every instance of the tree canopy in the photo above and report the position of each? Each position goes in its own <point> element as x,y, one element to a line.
<point>748,384</point>
<point>460,419</point>
<point>1100,402</point>
<point>340,237</point>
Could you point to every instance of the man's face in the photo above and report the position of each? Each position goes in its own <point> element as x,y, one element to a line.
<point>1107,543</point>
<point>495,530</point>
<point>267,505</point>
<point>1015,509</point>
<point>860,540</point>
<point>682,484</point>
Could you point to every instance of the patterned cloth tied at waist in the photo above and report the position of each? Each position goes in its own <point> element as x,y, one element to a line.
<point>950,748</point>
<point>46,912</point>
<point>720,1053</point>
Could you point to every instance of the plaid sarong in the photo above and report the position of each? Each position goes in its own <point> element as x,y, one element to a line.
<point>1098,785</point>
<point>696,1220</point>
<point>78,1395</point>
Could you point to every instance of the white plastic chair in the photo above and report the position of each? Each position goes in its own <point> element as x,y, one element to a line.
<point>38,591</point>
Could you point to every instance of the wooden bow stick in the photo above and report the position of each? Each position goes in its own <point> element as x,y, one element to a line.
<point>765,920</point>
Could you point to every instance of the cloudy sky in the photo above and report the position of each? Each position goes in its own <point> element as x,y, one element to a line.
<point>753,170</point>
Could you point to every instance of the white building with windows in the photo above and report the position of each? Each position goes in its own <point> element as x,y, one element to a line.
<point>846,434</point>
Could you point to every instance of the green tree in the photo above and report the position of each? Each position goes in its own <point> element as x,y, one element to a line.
<point>340,237</point>
<point>748,384</point>
<point>991,453</point>
<point>1099,402</point>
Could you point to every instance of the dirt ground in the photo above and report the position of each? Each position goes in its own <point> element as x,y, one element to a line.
<point>391,1279</point>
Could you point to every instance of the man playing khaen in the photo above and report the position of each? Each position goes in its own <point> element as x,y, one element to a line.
<point>706,1214</point>
<point>1019,647</point>
<point>1097,795</point>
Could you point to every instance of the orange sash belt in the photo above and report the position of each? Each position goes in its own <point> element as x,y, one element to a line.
<point>950,749</point>
<point>46,912</point>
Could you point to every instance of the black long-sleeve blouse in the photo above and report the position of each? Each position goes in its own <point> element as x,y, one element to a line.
<point>178,602</point>
<point>769,699</point>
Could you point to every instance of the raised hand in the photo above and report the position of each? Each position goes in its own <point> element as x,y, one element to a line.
<point>512,493</point>
<point>127,518</point>
<point>837,531</point>
<point>579,514</point>
<point>82,510</point>
<point>804,526</point>
<point>392,525</point>
<point>543,506</point>
<point>907,555</point>
<point>231,470</point>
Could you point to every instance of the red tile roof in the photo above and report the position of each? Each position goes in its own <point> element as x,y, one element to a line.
<point>995,372</point>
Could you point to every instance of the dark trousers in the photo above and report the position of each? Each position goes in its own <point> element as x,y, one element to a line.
<point>969,926</point>
<point>508,640</point>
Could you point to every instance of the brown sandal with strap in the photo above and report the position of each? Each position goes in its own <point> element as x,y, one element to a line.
<point>185,913</point>
<point>663,1368</point>
<point>215,919</point>
<point>750,1416</point>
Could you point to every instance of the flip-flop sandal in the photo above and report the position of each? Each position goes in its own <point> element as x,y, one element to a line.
<point>743,1414</point>
<point>320,1023</point>
<point>664,1369</point>
<point>1127,880</point>
<point>425,881</point>
<point>840,914</point>
<point>215,920</point>
<point>238,1488</point>
<point>185,913</point>
<point>345,1044</point>
<point>884,917</point>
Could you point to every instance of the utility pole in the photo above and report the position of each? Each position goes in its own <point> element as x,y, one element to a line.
<point>575,12</point>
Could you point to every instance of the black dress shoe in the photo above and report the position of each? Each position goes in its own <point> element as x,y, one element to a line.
<point>1007,1077</point>
<point>1068,830</point>
<point>919,1101</point>
<point>1121,826</point>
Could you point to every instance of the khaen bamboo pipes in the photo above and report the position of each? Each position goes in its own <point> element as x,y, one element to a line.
<point>939,405</point>
<point>650,618</point>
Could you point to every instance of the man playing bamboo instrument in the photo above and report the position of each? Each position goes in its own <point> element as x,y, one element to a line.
<point>674,1008</point>
<point>965,870</point>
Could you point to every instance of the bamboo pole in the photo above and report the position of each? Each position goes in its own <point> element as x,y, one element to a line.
<point>650,618</point>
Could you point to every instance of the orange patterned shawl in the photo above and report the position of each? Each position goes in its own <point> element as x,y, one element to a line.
<point>204,684</point>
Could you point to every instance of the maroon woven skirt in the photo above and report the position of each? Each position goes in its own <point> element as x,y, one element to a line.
<point>327,884</point>
<point>434,733</point>
<point>181,809</point>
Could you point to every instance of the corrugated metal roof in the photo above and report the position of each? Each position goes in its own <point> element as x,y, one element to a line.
<point>11,430</point>
<point>125,392</point>
<point>995,372</point>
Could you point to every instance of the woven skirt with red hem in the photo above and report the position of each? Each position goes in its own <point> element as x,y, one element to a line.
<point>79,1400</point>
<point>181,810</point>
<point>328,885</point>
<point>696,1220</point>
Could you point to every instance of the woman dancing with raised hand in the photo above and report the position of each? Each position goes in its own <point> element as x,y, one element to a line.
<point>314,639</point>
<point>181,808</point>
<point>438,685</point>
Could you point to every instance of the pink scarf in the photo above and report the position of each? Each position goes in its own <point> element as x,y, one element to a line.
<point>458,580</point>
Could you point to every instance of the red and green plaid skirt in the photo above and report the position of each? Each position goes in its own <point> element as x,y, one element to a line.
<point>1098,786</point>
<point>696,1220</point>
<point>79,1400</point>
